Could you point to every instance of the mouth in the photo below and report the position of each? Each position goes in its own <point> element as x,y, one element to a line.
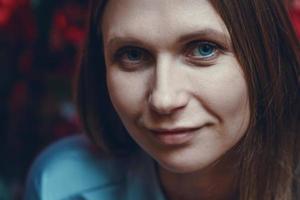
<point>174,136</point>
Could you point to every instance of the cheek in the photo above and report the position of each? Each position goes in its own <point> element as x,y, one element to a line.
<point>127,91</point>
<point>225,95</point>
<point>232,95</point>
<point>234,104</point>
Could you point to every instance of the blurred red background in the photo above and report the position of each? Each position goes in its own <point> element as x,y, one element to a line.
<point>39,47</point>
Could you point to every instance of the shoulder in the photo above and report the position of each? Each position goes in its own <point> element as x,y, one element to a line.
<point>71,167</point>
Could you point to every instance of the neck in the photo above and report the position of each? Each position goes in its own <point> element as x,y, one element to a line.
<point>215,183</point>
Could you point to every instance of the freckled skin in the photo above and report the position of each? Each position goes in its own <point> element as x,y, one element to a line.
<point>169,91</point>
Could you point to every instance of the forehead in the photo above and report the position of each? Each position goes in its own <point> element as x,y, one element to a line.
<point>157,19</point>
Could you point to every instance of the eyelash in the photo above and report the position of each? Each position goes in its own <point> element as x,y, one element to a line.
<point>118,56</point>
<point>204,60</point>
<point>147,58</point>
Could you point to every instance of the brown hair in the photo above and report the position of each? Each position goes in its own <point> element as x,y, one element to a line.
<point>268,51</point>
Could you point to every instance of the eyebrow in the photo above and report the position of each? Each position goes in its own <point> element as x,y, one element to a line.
<point>207,33</point>
<point>115,41</point>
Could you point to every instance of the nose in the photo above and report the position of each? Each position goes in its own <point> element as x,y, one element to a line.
<point>167,94</point>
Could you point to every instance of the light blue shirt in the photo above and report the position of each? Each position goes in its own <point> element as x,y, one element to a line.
<point>71,170</point>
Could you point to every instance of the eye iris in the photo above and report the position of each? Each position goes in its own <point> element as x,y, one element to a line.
<point>205,50</point>
<point>134,55</point>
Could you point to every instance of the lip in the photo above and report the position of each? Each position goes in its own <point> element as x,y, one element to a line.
<point>174,136</point>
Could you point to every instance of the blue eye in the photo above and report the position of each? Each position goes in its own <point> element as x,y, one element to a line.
<point>133,55</point>
<point>203,53</point>
<point>204,50</point>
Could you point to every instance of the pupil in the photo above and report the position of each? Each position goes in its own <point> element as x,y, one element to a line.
<point>205,50</point>
<point>134,55</point>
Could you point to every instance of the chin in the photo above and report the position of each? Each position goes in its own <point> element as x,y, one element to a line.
<point>184,164</point>
<point>183,168</point>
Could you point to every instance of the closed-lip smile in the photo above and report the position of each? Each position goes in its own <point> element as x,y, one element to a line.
<point>174,136</point>
<point>180,130</point>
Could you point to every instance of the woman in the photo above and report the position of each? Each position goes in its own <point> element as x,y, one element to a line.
<point>207,89</point>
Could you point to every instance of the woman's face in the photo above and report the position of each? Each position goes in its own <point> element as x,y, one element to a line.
<point>174,80</point>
